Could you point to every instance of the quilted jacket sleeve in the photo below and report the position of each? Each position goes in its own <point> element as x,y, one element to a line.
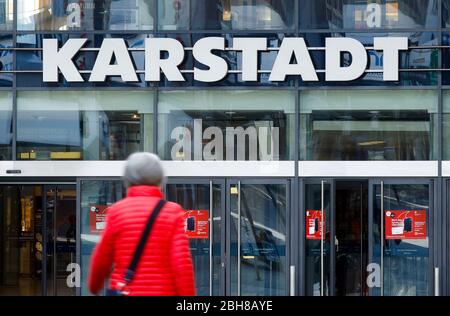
<point>181,260</point>
<point>102,258</point>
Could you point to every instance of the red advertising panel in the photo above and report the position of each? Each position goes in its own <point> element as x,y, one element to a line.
<point>314,224</point>
<point>405,224</point>
<point>196,223</point>
<point>97,218</point>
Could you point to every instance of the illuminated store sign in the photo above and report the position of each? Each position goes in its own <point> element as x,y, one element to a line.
<point>164,56</point>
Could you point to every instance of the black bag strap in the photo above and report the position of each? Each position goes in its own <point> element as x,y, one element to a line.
<point>129,274</point>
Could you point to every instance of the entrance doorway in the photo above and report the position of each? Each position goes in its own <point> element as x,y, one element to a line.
<point>37,238</point>
<point>238,231</point>
<point>376,237</point>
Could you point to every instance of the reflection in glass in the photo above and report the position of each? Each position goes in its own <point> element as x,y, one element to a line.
<point>355,14</point>
<point>89,126</point>
<point>63,15</point>
<point>368,125</point>
<point>98,194</point>
<point>313,255</point>
<point>6,60</point>
<point>406,261</point>
<point>196,197</point>
<point>226,14</point>
<point>60,206</point>
<point>226,125</point>
<point>446,125</point>
<point>263,265</point>
<point>5,125</point>
<point>351,246</point>
<point>6,15</point>
<point>21,241</point>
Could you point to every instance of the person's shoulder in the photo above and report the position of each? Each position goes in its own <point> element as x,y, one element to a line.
<point>173,209</point>
<point>114,208</point>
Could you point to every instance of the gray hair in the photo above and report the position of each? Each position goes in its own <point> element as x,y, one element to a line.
<point>143,169</point>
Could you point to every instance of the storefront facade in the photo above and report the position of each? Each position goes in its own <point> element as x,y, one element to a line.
<point>261,165</point>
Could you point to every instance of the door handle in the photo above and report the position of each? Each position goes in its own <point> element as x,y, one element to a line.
<point>336,243</point>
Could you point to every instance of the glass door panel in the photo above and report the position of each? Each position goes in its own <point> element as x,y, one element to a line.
<point>318,214</point>
<point>203,205</point>
<point>60,204</point>
<point>257,238</point>
<point>21,240</point>
<point>95,198</point>
<point>401,237</point>
<point>351,242</point>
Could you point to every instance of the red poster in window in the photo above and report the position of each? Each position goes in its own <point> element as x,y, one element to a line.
<point>405,224</point>
<point>313,224</point>
<point>97,218</point>
<point>196,223</point>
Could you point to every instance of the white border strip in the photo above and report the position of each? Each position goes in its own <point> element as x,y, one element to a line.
<point>446,168</point>
<point>367,169</point>
<point>172,168</point>
<point>211,169</point>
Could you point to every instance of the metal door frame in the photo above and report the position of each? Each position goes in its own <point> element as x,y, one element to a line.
<point>444,236</point>
<point>221,183</point>
<point>246,181</point>
<point>432,225</point>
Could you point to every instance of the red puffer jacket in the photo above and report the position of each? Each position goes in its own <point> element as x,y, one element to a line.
<point>165,268</point>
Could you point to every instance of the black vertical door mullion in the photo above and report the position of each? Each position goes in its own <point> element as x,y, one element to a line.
<point>332,271</point>
<point>223,245</point>
<point>228,241</point>
<point>370,201</point>
<point>44,242</point>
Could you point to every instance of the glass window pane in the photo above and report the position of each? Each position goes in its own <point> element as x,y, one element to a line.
<point>95,195</point>
<point>355,14</point>
<point>446,13</point>
<point>6,15</point>
<point>226,125</point>
<point>446,122</point>
<point>226,14</point>
<point>6,60</point>
<point>5,125</point>
<point>368,125</point>
<point>63,15</point>
<point>92,125</point>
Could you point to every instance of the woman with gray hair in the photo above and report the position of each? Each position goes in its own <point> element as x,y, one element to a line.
<point>144,240</point>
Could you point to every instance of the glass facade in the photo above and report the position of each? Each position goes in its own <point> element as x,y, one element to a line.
<point>368,125</point>
<point>91,126</point>
<point>66,15</point>
<point>226,15</point>
<point>361,15</point>
<point>260,158</point>
<point>226,125</point>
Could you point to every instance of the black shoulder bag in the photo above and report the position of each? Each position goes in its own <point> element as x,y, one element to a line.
<point>122,287</point>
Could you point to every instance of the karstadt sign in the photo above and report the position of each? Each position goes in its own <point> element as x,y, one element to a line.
<point>114,59</point>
